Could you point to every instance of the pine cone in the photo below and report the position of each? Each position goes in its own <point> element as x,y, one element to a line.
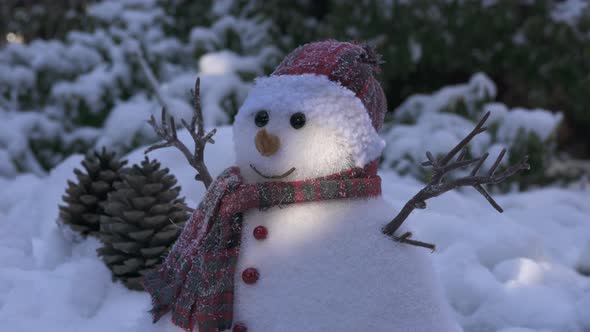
<point>143,218</point>
<point>84,199</point>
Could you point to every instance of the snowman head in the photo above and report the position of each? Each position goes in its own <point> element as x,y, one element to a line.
<point>316,115</point>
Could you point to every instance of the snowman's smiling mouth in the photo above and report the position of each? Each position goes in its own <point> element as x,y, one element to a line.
<point>284,175</point>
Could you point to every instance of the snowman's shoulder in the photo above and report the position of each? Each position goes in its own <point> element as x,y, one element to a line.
<point>374,210</point>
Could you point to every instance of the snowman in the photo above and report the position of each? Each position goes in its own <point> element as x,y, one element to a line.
<point>290,239</point>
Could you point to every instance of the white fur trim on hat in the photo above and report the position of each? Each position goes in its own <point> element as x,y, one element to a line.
<point>326,103</point>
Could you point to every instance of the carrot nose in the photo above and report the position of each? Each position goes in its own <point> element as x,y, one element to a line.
<point>267,144</point>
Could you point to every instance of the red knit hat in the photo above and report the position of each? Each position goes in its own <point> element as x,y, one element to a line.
<point>353,66</point>
<point>334,84</point>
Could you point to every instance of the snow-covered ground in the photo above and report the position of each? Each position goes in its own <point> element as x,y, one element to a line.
<point>511,272</point>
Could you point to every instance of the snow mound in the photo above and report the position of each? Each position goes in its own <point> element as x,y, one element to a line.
<point>511,272</point>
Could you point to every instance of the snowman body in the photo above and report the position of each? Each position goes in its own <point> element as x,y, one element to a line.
<point>323,266</point>
<point>326,266</point>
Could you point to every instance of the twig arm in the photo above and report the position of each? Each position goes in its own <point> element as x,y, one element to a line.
<point>403,214</point>
<point>437,186</point>
<point>167,131</point>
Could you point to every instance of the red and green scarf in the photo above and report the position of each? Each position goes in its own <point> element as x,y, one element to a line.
<point>196,281</point>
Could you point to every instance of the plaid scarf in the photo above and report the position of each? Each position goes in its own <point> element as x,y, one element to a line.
<point>196,281</point>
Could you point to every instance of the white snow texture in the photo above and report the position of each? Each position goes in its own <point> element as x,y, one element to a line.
<point>500,272</point>
<point>510,272</point>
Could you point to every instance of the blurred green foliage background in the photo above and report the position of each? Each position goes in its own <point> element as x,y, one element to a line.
<point>536,52</point>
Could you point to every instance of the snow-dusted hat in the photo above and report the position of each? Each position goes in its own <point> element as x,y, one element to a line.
<point>334,84</point>
<point>353,66</point>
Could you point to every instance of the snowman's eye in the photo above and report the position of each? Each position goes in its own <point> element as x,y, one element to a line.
<point>261,118</point>
<point>297,120</point>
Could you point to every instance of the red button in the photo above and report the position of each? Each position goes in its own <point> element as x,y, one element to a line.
<point>240,328</point>
<point>260,233</point>
<point>250,275</point>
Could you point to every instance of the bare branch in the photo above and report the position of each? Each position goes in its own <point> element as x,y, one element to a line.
<point>436,186</point>
<point>173,127</point>
<point>209,136</point>
<point>406,238</point>
<point>426,163</point>
<point>167,131</point>
<point>496,163</point>
<point>459,164</point>
<point>198,118</point>
<point>523,165</point>
<point>151,77</point>
<point>479,128</point>
<point>431,159</point>
<point>157,146</point>
<point>462,154</point>
<point>485,194</point>
<point>481,161</point>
